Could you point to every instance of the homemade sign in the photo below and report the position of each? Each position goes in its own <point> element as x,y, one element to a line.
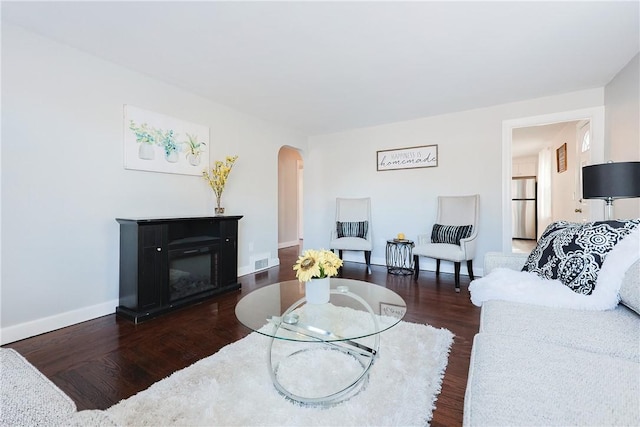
<point>425,156</point>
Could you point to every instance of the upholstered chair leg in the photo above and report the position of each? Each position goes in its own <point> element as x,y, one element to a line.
<point>456,269</point>
<point>416,267</point>
<point>367,259</point>
<point>340,253</point>
<point>437,267</point>
<point>470,269</point>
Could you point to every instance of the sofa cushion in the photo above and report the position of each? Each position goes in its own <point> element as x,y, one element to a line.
<point>573,253</point>
<point>440,251</point>
<point>352,229</point>
<point>519,381</point>
<point>612,332</point>
<point>451,234</point>
<point>91,417</point>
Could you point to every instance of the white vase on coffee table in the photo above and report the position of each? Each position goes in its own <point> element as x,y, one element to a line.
<point>318,291</point>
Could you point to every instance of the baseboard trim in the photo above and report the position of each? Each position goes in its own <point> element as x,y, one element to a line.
<point>243,271</point>
<point>283,245</point>
<point>32,328</point>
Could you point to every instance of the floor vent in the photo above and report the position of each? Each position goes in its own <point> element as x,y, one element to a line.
<point>260,261</point>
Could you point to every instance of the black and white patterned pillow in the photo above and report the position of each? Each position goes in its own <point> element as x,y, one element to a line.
<point>573,253</point>
<point>352,229</point>
<point>450,233</point>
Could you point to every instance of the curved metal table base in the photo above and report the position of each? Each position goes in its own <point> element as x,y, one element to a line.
<point>364,355</point>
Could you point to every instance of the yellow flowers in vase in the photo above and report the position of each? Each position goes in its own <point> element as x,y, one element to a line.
<point>217,178</point>
<point>314,264</point>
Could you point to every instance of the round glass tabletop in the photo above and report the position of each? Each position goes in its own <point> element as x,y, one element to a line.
<point>356,309</point>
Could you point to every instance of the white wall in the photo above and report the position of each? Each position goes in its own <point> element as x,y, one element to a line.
<point>470,161</point>
<point>563,184</point>
<point>524,166</point>
<point>63,181</point>
<point>622,102</point>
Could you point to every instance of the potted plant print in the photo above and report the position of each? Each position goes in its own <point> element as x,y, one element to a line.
<point>194,149</point>
<point>167,141</point>
<point>146,138</point>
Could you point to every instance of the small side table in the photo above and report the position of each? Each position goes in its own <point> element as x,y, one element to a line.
<point>400,257</point>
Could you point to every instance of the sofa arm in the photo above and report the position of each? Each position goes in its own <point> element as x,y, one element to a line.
<point>630,288</point>
<point>493,260</point>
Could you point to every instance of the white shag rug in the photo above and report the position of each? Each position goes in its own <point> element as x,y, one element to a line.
<point>233,387</point>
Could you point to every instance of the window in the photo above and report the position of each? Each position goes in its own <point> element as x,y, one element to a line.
<point>586,141</point>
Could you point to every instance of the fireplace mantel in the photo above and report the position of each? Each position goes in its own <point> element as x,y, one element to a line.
<point>170,262</point>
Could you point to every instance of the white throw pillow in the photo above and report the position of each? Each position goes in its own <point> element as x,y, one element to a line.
<point>615,266</point>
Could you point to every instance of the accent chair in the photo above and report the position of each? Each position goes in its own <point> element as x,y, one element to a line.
<point>352,229</point>
<point>453,236</point>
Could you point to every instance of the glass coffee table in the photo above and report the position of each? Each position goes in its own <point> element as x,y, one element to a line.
<point>321,354</point>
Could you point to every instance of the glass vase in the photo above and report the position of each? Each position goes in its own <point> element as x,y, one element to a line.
<point>218,210</point>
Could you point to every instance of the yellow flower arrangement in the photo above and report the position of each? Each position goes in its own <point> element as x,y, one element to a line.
<point>217,178</point>
<point>317,264</point>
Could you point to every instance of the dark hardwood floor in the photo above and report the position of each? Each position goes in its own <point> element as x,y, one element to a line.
<point>99,362</point>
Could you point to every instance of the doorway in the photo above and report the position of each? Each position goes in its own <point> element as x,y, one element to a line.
<point>290,188</point>
<point>545,188</point>
<point>558,191</point>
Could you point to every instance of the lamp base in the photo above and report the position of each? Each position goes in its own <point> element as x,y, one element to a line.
<point>608,208</point>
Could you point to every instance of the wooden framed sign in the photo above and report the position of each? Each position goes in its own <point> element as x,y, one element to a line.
<point>425,156</point>
<point>561,157</point>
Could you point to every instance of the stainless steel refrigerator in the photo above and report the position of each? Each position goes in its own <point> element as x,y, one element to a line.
<point>523,208</point>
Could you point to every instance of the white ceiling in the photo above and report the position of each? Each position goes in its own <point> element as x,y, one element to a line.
<point>528,141</point>
<point>328,66</point>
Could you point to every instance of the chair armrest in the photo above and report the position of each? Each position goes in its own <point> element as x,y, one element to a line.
<point>493,260</point>
<point>469,245</point>
<point>423,239</point>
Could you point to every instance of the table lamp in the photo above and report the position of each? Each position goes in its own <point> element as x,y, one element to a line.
<point>610,181</point>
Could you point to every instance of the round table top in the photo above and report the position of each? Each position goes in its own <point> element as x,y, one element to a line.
<point>356,309</point>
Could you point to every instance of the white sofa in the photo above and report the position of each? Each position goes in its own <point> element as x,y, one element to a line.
<point>533,365</point>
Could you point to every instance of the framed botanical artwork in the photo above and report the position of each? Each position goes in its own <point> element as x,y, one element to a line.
<point>158,143</point>
<point>561,158</point>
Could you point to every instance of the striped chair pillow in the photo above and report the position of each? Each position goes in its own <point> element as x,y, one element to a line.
<point>352,229</point>
<point>450,233</point>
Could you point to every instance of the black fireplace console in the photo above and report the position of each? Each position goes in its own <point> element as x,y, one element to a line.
<point>167,263</point>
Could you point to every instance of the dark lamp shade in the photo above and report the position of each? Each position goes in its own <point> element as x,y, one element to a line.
<point>611,180</point>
